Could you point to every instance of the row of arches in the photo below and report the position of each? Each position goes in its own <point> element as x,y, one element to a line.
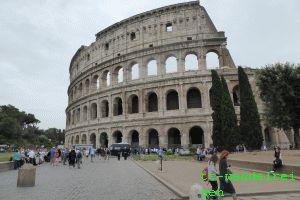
<point>193,100</point>
<point>134,71</point>
<point>153,138</point>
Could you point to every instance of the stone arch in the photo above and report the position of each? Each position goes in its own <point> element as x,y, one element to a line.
<point>84,114</point>
<point>105,78</point>
<point>135,71</point>
<point>104,108</point>
<point>117,136</point>
<point>212,59</point>
<point>134,138</point>
<point>191,62</point>
<point>78,115</point>
<point>171,64</point>
<point>93,111</point>
<point>95,83</point>
<point>174,138</point>
<point>172,100</point>
<point>196,136</point>
<point>118,74</point>
<point>133,104</point>
<point>72,141</point>
<point>236,95</point>
<point>93,139</point>
<point>77,139</point>
<point>152,68</point>
<point>193,98</point>
<point>152,102</point>
<point>87,86</point>
<point>118,107</point>
<point>153,138</point>
<point>83,139</point>
<point>80,90</point>
<point>104,139</point>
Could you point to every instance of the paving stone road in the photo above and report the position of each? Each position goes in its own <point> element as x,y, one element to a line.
<point>110,180</point>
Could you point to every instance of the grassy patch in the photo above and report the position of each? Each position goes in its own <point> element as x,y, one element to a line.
<point>154,157</point>
<point>5,156</point>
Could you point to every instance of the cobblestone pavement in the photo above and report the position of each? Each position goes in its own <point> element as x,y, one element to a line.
<point>101,180</point>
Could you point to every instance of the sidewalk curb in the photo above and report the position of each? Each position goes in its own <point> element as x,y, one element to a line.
<point>184,196</point>
<point>165,183</point>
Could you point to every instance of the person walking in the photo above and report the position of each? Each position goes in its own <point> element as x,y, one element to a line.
<point>52,156</point>
<point>212,174</point>
<point>79,158</point>
<point>277,163</point>
<point>72,158</point>
<point>225,184</point>
<point>17,159</point>
<point>92,152</point>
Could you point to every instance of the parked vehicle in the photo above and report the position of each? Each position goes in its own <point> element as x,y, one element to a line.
<point>122,148</point>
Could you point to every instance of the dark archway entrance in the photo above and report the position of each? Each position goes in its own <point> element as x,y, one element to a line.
<point>172,100</point>
<point>196,136</point>
<point>93,139</point>
<point>193,98</point>
<point>104,140</point>
<point>174,139</point>
<point>117,137</point>
<point>134,139</point>
<point>152,102</point>
<point>153,139</point>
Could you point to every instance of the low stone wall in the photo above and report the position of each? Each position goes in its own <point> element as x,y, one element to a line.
<point>5,166</point>
<point>287,169</point>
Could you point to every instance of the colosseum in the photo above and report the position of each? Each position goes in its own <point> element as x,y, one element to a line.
<point>145,81</point>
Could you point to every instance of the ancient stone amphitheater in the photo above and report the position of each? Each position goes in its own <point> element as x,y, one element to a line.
<point>145,81</point>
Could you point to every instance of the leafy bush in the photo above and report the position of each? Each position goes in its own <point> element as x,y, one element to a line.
<point>193,150</point>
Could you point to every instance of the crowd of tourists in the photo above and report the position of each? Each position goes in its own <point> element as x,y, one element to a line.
<point>58,156</point>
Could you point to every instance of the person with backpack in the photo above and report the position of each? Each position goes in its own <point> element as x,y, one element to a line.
<point>212,173</point>
<point>79,158</point>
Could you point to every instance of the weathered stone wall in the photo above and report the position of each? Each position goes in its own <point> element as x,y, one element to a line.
<point>173,32</point>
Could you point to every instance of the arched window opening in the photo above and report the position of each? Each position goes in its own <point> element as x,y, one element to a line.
<point>117,136</point>
<point>120,75</point>
<point>80,90</point>
<point>172,100</point>
<point>95,83</point>
<point>83,139</point>
<point>153,139</point>
<point>152,68</point>
<point>94,111</point>
<point>77,139</point>
<point>93,140</point>
<point>191,62</point>
<point>212,61</point>
<point>196,136</point>
<point>118,107</point>
<point>133,104</point>
<point>152,102</point>
<point>87,86</point>
<point>104,140</point>
<point>105,78</point>
<point>78,115</point>
<point>84,116</point>
<point>171,65</point>
<point>236,95</point>
<point>194,98</point>
<point>72,141</point>
<point>135,72</point>
<point>174,139</point>
<point>104,108</point>
<point>134,139</point>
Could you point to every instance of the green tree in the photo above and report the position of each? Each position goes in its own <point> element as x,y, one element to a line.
<point>280,90</point>
<point>250,127</point>
<point>216,93</point>
<point>230,130</point>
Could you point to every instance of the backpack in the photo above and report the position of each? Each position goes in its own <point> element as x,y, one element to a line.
<point>79,155</point>
<point>204,174</point>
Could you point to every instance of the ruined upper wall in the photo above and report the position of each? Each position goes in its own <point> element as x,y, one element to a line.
<point>159,27</point>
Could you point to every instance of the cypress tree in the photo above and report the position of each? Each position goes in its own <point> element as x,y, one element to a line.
<point>216,103</point>
<point>230,130</point>
<point>250,127</point>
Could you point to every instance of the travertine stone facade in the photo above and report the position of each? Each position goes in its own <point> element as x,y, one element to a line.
<point>136,83</point>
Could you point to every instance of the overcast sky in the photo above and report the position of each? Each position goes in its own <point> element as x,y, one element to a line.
<point>39,37</point>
